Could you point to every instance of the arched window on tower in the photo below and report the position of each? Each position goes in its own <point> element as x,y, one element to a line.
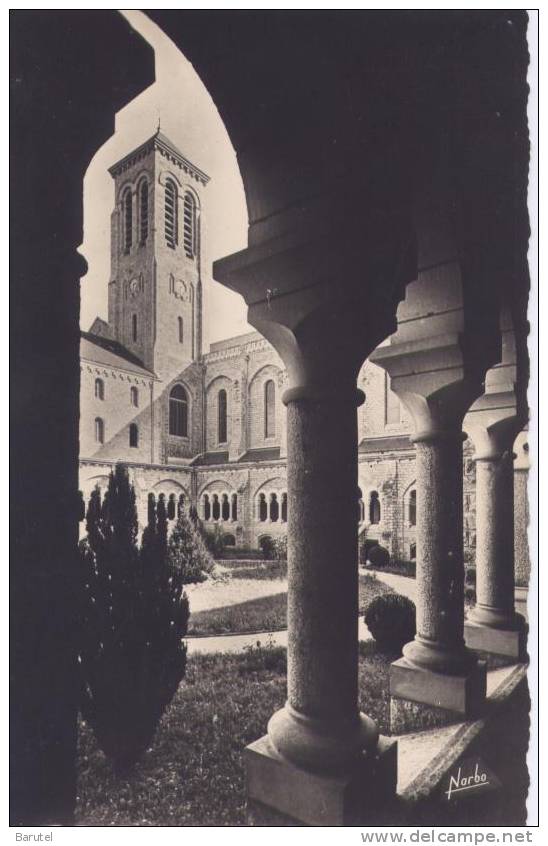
<point>269,409</point>
<point>134,396</point>
<point>413,508</point>
<point>178,412</point>
<point>180,329</point>
<point>143,212</point>
<point>222,434</point>
<point>127,205</point>
<point>189,225</point>
<point>180,505</point>
<point>234,507</point>
<point>99,389</point>
<point>225,507</point>
<point>274,507</point>
<point>263,509</point>
<point>207,507</point>
<point>134,327</point>
<point>374,508</point>
<point>171,221</point>
<point>284,508</point>
<point>99,430</point>
<point>216,509</point>
<point>133,435</point>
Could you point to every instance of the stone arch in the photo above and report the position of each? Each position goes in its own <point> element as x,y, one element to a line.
<point>216,485</point>
<point>406,503</point>
<point>87,485</point>
<point>190,407</point>
<point>170,486</point>
<point>165,174</point>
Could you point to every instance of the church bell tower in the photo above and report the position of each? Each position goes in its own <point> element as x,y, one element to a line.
<point>155,290</point>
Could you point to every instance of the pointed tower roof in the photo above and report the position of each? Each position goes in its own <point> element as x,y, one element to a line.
<point>167,148</point>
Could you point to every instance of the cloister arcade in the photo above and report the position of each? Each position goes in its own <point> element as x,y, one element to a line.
<point>423,243</point>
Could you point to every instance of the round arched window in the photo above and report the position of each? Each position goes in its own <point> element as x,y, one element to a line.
<point>178,412</point>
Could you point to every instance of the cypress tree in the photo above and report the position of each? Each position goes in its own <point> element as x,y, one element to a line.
<point>134,617</point>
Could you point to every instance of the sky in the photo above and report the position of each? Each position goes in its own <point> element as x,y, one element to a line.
<point>188,116</point>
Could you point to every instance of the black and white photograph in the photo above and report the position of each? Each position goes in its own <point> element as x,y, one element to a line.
<point>274,422</point>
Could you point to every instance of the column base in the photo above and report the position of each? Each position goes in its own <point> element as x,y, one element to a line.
<point>511,643</point>
<point>425,699</point>
<point>279,793</point>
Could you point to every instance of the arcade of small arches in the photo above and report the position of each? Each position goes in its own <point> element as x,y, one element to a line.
<point>271,507</point>
<point>221,507</point>
<point>373,513</point>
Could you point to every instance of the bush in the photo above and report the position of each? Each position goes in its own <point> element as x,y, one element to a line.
<point>134,615</point>
<point>280,548</point>
<point>470,595</point>
<point>187,552</point>
<point>470,576</point>
<point>391,619</point>
<point>266,545</point>
<point>365,546</point>
<point>379,557</point>
<point>214,540</point>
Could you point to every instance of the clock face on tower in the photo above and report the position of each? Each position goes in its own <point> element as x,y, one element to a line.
<point>134,287</point>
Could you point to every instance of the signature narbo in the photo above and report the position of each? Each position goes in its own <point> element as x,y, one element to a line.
<point>460,782</point>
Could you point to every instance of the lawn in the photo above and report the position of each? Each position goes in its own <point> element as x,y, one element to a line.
<point>267,613</point>
<point>193,774</point>
<point>256,569</point>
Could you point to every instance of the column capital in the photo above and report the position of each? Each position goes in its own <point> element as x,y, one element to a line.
<point>500,413</point>
<point>325,298</point>
<point>493,423</point>
<point>434,380</point>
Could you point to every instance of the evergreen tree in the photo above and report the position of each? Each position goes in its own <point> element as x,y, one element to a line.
<point>187,552</point>
<point>134,617</point>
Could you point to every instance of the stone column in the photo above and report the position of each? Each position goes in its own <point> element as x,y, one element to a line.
<point>438,680</point>
<point>322,761</point>
<point>439,642</point>
<point>493,423</point>
<point>320,726</point>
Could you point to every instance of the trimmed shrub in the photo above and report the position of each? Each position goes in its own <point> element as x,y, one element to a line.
<point>391,619</point>
<point>470,576</point>
<point>379,557</point>
<point>280,548</point>
<point>365,546</point>
<point>187,553</point>
<point>133,615</point>
<point>469,595</point>
<point>266,545</point>
<point>214,540</point>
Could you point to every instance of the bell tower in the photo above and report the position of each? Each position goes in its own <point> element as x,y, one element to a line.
<point>155,291</point>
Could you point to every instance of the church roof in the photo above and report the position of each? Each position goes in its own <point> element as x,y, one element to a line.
<point>261,454</point>
<point>388,444</point>
<point>210,458</point>
<point>110,353</point>
<point>161,142</point>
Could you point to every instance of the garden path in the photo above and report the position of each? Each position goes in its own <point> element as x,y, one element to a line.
<point>223,591</point>
<point>216,594</point>
<point>235,643</point>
